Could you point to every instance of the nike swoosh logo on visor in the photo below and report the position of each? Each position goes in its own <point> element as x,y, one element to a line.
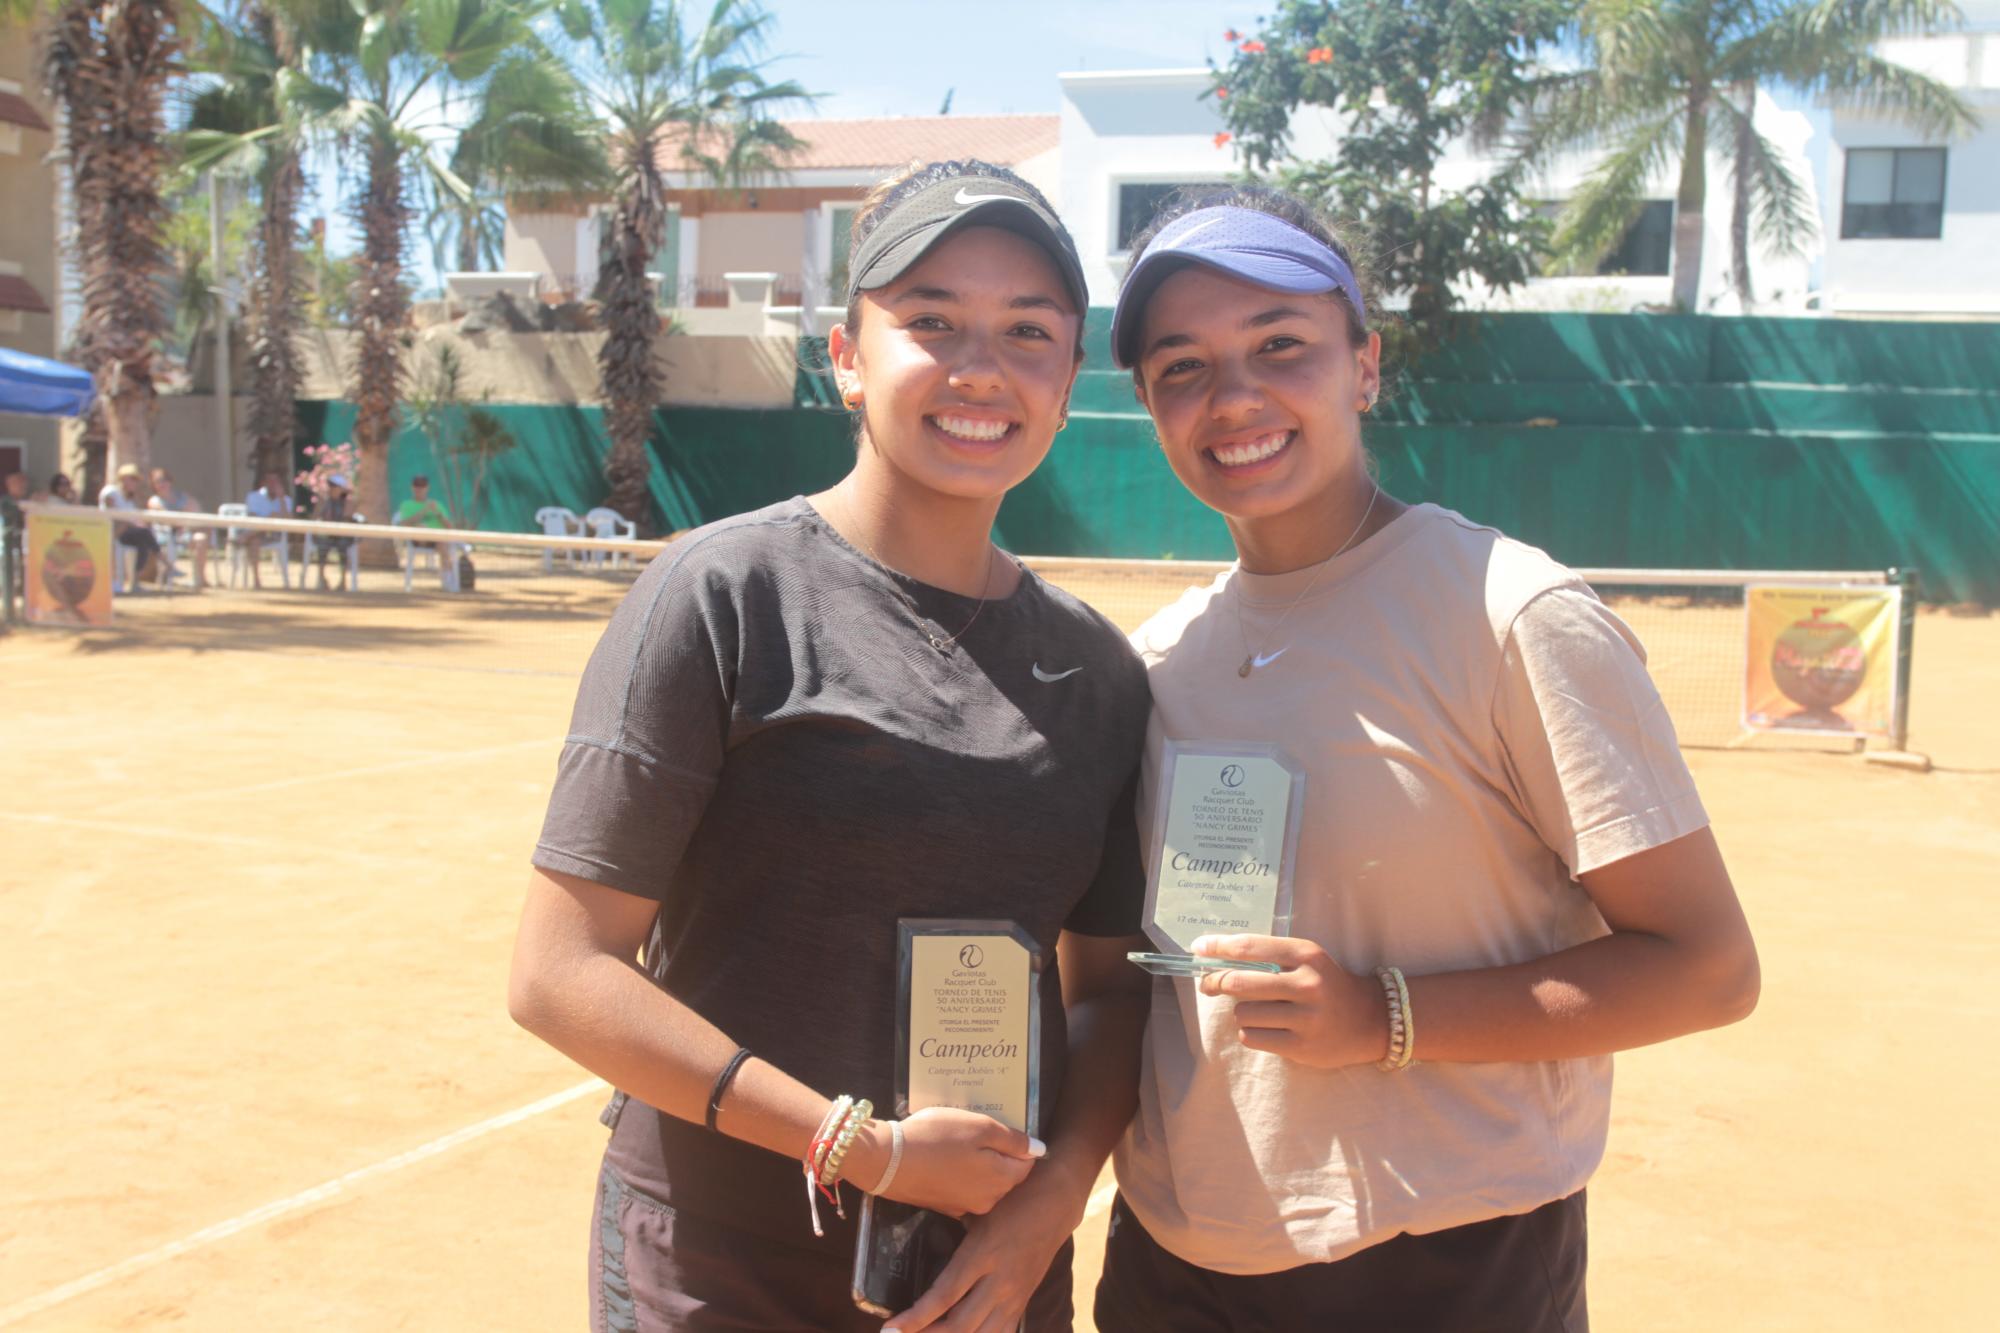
<point>1194,231</point>
<point>1263,661</point>
<point>963,199</point>
<point>1047,679</point>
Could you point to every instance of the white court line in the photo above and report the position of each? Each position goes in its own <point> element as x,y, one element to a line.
<point>304,1199</point>
<point>143,831</point>
<point>341,774</point>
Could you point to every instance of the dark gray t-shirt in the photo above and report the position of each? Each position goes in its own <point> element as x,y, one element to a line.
<point>766,742</point>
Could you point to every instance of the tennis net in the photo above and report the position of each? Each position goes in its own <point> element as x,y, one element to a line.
<point>520,602</point>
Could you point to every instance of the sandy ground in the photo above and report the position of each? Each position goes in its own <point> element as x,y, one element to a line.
<point>263,855</point>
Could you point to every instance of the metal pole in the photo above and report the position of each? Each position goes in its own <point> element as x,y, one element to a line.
<point>230,481</point>
<point>1906,635</point>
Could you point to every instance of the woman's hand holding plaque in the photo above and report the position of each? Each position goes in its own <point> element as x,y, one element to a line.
<point>954,1162</point>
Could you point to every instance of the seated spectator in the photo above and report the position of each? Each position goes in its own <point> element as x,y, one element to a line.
<point>62,490</point>
<point>168,496</point>
<point>128,492</point>
<point>422,507</point>
<point>335,507</point>
<point>267,501</point>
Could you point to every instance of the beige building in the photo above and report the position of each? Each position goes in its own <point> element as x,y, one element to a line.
<point>795,226</point>
<point>28,273</point>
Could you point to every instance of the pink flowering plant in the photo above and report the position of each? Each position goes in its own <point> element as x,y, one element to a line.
<point>325,460</point>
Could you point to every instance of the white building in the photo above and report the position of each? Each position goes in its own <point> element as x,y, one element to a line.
<point>1912,223</point>
<point>1130,137</point>
<point>785,239</point>
<point>1908,225</point>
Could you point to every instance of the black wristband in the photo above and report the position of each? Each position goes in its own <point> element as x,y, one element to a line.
<point>722,1082</point>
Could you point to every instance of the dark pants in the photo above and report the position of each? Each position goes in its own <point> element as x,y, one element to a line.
<point>654,1269</point>
<point>139,539</point>
<point>1521,1274</point>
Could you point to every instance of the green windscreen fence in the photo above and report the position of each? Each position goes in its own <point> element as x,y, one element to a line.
<point>1622,440</point>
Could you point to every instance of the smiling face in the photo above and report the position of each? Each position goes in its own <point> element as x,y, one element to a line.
<point>964,363</point>
<point>1255,393</point>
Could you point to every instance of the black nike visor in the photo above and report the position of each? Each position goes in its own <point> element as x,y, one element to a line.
<point>934,212</point>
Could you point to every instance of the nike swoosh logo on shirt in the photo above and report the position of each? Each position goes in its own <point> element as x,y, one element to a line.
<point>1047,679</point>
<point>1262,661</point>
<point>964,199</point>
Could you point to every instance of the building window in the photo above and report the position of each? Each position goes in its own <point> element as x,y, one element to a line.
<point>1648,248</point>
<point>1893,194</point>
<point>1645,251</point>
<point>1138,203</point>
<point>840,226</point>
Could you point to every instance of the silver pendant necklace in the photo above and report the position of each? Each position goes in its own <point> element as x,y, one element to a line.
<point>1251,655</point>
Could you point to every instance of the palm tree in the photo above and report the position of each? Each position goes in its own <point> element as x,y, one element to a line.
<point>235,123</point>
<point>1662,81</point>
<point>532,136</point>
<point>106,66</point>
<point>666,90</point>
<point>387,83</point>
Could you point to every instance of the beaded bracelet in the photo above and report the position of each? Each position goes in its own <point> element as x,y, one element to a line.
<point>816,1153</point>
<point>836,1157</point>
<point>1409,1021</point>
<point>1402,1027</point>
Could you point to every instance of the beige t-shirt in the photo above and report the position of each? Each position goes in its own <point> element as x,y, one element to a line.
<point>1477,729</point>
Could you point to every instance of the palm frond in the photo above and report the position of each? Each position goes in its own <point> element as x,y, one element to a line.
<point>1785,217</point>
<point>1867,82</point>
<point>1597,217</point>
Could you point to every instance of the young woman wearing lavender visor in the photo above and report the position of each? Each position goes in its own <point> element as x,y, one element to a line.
<point>1503,875</point>
<point>803,725</point>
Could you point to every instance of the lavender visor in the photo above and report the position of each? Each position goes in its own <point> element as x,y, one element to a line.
<point>1241,242</point>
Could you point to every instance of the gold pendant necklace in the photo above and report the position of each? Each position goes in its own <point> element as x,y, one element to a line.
<point>1251,655</point>
<point>945,644</point>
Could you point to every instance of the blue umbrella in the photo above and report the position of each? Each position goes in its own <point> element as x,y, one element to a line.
<point>43,387</point>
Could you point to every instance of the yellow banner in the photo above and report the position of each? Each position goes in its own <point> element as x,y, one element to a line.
<point>1822,659</point>
<point>69,570</point>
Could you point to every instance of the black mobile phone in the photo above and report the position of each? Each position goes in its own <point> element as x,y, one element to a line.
<point>899,1251</point>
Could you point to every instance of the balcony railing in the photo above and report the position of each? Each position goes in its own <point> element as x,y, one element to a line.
<point>702,291</point>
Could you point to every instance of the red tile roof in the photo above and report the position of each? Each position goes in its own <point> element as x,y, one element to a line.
<point>895,141</point>
<point>18,110</point>
<point>17,293</point>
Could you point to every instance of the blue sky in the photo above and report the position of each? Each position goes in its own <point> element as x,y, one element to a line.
<point>898,57</point>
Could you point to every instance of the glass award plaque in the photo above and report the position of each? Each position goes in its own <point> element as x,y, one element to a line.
<point>1225,842</point>
<point>968,1035</point>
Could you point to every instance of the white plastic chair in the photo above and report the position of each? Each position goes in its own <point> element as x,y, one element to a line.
<point>241,555</point>
<point>557,521</point>
<point>442,557</point>
<point>172,538</point>
<point>609,525</point>
<point>351,576</point>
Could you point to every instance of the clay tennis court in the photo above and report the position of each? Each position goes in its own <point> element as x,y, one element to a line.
<point>263,855</point>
